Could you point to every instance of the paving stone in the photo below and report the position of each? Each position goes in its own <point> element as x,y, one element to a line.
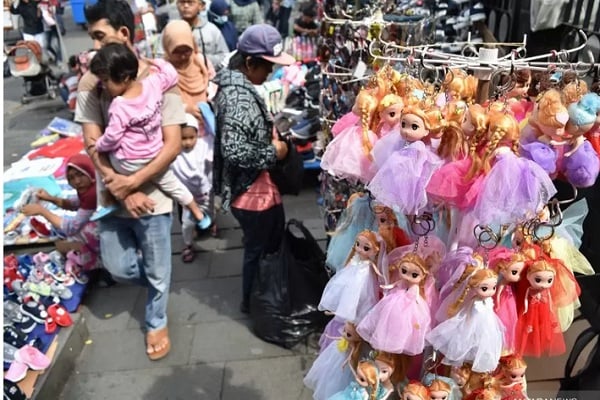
<point>258,376</point>
<point>226,263</point>
<point>198,382</point>
<point>110,309</point>
<point>197,269</point>
<point>193,302</point>
<point>230,340</point>
<point>126,350</point>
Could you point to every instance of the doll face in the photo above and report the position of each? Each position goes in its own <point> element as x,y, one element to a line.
<point>438,395</point>
<point>391,115</point>
<point>410,396</point>
<point>577,130</point>
<point>361,378</point>
<point>520,89</point>
<point>384,220</point>
<point>487,288</point>
<point>467,125</point>
<point>516,375</point>
<point>385,370</point>
<point>512,273</point>
<point>411,273</point>
<point>364,248</point>
<point>413,128</point>
<point>541,279</point>
<point>350,332</point>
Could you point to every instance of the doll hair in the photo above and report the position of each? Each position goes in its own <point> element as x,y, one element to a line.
<point>390,241</point>
<point>503,264</point>
<point>539,266</point>
<point>510,362</point>
<point>540,82</point>
<point>503,127</point>
<point>475,276</point>
<point>551,110</point>
<point>432,118</point>
<point>417,260</point>
<point>367,104</point>
<point>461,86</point>
<point>356,343</point>
<point>452,144</point>
<point>438,385</point>
<point>584,111</point>
<point>417,389</point>
<point>481,121</point>
<point>398,362</point>
<point>371,237</point>
<point>371,373</point>
<point>488,393</point>
<point>573,91</point>
<point>387,101</point>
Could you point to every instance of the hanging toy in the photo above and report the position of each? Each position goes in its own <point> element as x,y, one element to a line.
<point>512,378</point>
<point>367,385</point>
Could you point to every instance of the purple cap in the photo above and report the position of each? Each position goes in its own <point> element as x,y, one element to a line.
<point>264,41</point>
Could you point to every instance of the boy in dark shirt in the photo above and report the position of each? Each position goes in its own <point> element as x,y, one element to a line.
<point>306,24</point>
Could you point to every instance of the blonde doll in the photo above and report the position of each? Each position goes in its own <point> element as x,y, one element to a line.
<point>332,370</point>
<point>405,192</point>
<point>353,290</point>
<point>389,228</point>
<point>487,393</point>
<point>508,264</point>
<point>453,145</point>
<point>512,378</point>
<point>549,285</point>
<point>367,385</point>
<point>390,111</point>
<point>467,380</point>
<point>460,86</point>
<point>514,188</point>
<point>439,390</point>
<point>399,322</point>
<point>473,332</point>
<point>415,391</point>
<point>392,370</point>
<point>348,154</point>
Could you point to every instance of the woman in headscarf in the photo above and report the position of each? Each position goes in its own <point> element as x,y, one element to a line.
<point>193,69</point>
<point>219,15</point>
<point>78,232</point>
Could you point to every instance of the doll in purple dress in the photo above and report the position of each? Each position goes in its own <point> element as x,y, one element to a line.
<point>405,192</point>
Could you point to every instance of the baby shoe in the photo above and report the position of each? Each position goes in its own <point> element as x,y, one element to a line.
<point>16,372</point>
<point>35,311</point>
<point>60,315</point>
<point>12,391</point>
<point>32,357</point>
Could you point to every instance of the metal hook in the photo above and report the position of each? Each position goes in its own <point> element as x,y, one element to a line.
<point>486,237</point>
<point>568,201</point>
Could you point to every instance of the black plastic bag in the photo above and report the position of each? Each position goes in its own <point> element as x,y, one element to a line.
<point>288,173</point>
<point>288,288</point>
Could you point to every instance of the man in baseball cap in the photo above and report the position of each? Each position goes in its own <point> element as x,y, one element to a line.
<point>264,41</point>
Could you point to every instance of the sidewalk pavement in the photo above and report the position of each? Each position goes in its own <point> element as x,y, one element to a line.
<point>214,355</point>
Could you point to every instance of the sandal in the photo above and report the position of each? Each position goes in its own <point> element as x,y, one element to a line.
<point>158,338</point>
<point>188,255</point>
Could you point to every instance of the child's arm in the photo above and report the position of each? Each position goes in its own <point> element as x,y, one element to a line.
<point>63,203</point>
<point>165,77</point>
<point>114,132</point>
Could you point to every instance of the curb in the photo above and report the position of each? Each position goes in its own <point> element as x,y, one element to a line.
<point>70,344</point>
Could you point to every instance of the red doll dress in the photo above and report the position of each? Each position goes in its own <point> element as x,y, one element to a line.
<point>513,392</point>
<point>538,330</point>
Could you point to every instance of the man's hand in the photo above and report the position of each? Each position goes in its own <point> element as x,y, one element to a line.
<point>43,195</point>
<point>32,209</point>
<point>120,186</point>
<point>139,204</point>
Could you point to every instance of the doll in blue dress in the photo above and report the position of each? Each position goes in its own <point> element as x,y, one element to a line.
<point>367,385</point>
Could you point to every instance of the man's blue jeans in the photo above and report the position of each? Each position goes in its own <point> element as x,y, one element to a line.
<point>120,240</point>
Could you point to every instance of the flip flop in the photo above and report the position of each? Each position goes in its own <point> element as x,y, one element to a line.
<point>187,255</point>
<point>154,338</point>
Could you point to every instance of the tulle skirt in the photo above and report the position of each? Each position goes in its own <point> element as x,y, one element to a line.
<point>474,337</point>
<point>398,323</point>
<point>506,309</point>
<point>538,331</point>
<point>331,333</point>
<point>514,190</point>
<point>450,185</point>
<point>345,156</point>
<point>351,292</point>
<point>328,374</point>
<point>400,183</point>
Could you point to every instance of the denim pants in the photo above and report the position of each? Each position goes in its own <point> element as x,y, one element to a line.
<point>263,231</point>
<point>120,240</point>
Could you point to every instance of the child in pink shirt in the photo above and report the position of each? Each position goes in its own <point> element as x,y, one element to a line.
<point>133,136</point>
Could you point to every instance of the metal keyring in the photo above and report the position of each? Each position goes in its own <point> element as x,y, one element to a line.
<point>421,225</point>
<point>486,237</point>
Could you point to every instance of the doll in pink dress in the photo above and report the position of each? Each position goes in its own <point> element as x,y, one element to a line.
<point>331,371</point>
<point>508,264</point>
<point>348,154</point>
<point>390,112</point>
<point>512,378</point>
<point>455,184</point>
<point>354,289</point>
<point>517,100</point>
<point>548,285</point>
<point>399,322</point>
<point>401,181</point>
<point>473,332</point>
